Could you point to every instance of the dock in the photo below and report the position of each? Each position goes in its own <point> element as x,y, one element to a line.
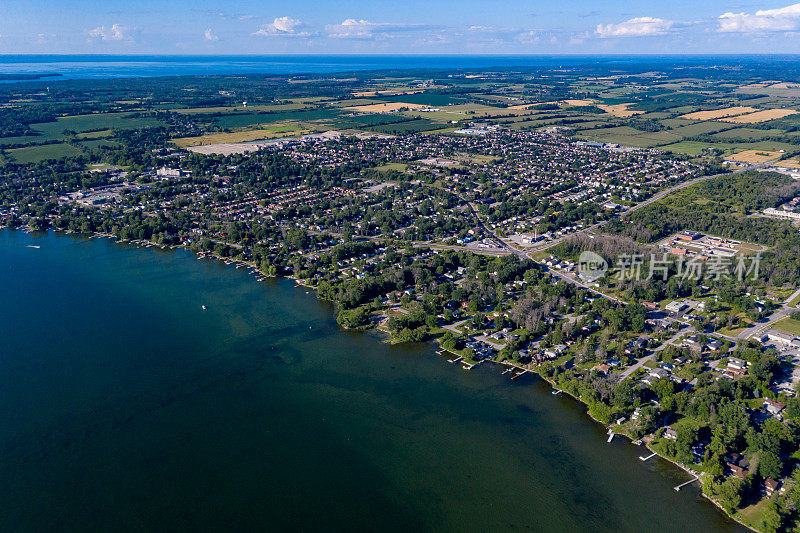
<point>679,487</point>
<point>610,436</point>
<point>515,376</point>
<point>641,458</point>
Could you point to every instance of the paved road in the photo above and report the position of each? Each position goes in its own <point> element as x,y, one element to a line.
<point>761,327</point>
<point>638,364</point>
<point>794,295</point>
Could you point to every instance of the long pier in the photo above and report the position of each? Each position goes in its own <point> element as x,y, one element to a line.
<point>679,487</point>
<point>641,458</point>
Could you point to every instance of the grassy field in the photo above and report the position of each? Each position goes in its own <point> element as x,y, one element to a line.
<point>406,127</point>
<point>788,325</point>
<point>252,119</point>
<point>747,134</point>
<point>260,134</point>
<point>701,128</point>
<point>34,154</point>
<point>240,109</point>
<point>54,131</point>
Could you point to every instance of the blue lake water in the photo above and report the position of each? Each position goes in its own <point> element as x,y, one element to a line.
<point>110,66</point>
<point>124,406</point>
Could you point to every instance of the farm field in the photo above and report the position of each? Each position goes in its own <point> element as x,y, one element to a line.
<point>387,107</point>
<point>754,156</point>
<point>34,154</point>
<point>260,134</point>
<point>718,113</point>
<point>619,110</point>
<point>789,163</point>
<point>761,116</point>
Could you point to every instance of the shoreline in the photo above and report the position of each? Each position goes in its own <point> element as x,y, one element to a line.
<point>261,276</point>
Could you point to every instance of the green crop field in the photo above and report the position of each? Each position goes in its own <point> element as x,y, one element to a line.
<point>410,126</point>
<point>701,128</point>
<point>34,154</point>
<point>241,120</point>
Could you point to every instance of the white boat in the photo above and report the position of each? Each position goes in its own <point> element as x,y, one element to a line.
<point>204,307</point>
<point>33,246</point>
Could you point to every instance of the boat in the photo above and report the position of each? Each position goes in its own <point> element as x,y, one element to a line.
<point>204,307</point>
<point>33,246</point>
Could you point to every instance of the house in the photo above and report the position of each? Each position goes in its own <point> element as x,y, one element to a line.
<point>694,344</point>
<point>635,345</point>
<point>773,407</point>
<point>602,369</point>
<point>670,433</point>
<point>738,465</point>
<point>737,366</point>
<point>650,306</point>
<point>659,373</point>
<point>714,345</point>
<point>770,486</point>
<point>655,374</point>
<point>677,306</point>
<point>688,235</point>
<point>737,470</point>
<point>783,338</point>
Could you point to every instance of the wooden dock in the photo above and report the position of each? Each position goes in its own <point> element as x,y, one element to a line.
<point>641,458</point>
<point>679,487</point>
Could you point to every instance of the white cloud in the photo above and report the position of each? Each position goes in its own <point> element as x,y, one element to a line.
<point>635,27</point>
<point>116,32</point>
<point>353,29</point>
<point>765,20</point>
<point>364,29</point>
<point>283,27</point>
<point>210,36</point>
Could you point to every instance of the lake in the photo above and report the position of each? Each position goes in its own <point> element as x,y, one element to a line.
<point>126,406</point>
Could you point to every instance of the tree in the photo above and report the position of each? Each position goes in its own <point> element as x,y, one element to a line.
<point>729,493</point>
<point>772,518</point>
<point>770,464</point>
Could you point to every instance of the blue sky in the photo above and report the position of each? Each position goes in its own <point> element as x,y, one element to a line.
<point>397,27</point>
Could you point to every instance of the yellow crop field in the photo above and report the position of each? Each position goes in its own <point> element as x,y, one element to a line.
<point>789,163</point>
<point>760,116</point>
<point>619,110</point>
<point>718,113</point>
<point>754,156</point>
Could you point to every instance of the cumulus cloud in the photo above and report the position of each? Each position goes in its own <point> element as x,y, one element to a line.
<point>635,27</point>
<point>210,36</point>
<point>283,27</point>
<point>765,20</point>
<point>354,29</point>
<point>116,32</point>
<point>364,29</point>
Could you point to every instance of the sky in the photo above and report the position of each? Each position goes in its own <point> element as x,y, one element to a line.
<point>495,27</point>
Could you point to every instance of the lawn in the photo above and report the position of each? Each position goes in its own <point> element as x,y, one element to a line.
<point>788,325</point>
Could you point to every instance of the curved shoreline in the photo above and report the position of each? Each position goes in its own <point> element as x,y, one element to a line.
<point>299,283</point>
